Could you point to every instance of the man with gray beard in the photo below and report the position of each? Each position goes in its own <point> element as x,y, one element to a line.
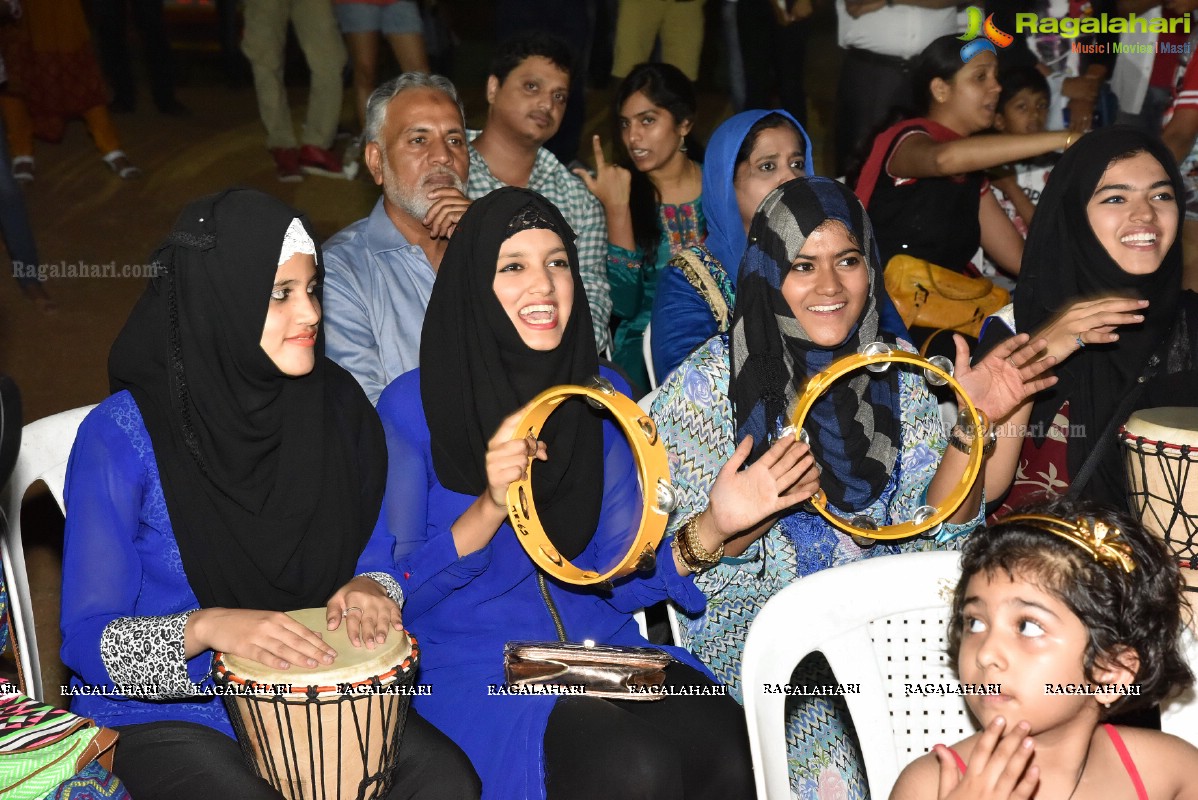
<point>379,271</point>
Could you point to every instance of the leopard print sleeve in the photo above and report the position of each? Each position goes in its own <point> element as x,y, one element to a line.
<point>145,656</point>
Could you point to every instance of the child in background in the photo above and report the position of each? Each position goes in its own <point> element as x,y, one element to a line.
<point>1076,612</point>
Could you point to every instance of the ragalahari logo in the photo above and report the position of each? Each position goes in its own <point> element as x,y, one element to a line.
<point>988,31</point>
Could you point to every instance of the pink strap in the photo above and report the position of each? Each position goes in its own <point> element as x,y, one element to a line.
<point>957,758</point>
<point>1128,764</point>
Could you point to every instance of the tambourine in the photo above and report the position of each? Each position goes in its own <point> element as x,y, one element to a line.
<point>652,472</point>
<point>877,357</point>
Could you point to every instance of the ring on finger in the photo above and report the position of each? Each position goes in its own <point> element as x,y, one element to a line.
<point>1080,342</point>
<point>345,613</point>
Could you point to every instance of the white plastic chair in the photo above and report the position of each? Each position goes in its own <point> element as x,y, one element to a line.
<point>45,447</point>
<point>1180,716</point>
<point>647,353</point>
<point>881,624</point>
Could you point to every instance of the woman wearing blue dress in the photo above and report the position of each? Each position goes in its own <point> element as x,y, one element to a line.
<point>506,320</point>
<point>234,473</point>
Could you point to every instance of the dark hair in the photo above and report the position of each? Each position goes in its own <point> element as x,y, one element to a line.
<point>513,51</point>
<point>1017,78</point>
<point>768,122</point>
<point>940,59</point>
<point>1140,610</point>
<point>666,87</point>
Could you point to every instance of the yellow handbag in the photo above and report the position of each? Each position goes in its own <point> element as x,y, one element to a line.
<point>930,296</point>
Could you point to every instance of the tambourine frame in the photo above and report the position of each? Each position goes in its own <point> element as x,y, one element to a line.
<point>651,466</point>
<point>818,384</point>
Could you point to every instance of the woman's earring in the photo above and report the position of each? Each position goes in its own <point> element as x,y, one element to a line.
<point>682,146</point>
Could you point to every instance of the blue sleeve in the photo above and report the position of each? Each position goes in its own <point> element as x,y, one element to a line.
<point>682,320</point>
<point>102,570</point>
<point>422,558</point>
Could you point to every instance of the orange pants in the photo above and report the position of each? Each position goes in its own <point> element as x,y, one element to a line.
<point>20,127</point>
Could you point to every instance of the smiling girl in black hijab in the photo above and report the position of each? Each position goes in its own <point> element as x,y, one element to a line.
<point>234,473</point>
<point>507,319</point>
<point>1101,282</point>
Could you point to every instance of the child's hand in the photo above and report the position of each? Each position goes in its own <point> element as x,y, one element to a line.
<point>998,768</point>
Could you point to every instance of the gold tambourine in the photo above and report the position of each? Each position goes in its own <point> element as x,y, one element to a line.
<point>878,357</point>
<point>652,472</point>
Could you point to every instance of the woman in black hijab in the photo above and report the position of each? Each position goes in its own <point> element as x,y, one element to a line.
<point>233,474</point>
<point>1101,282</point>
<point>508,319</point>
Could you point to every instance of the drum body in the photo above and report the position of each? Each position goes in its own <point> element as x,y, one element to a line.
<point>1161,450</point>
<point>329,732</point>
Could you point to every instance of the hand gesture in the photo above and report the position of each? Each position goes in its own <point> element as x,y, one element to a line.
<point>268,637</point>
<point>449,204</point>
<point>508,459</point>
<point>1081,115</point>
<point>612,184</point>
<point>366,609</point>
<point>784,476</point>
<point>1010,374</point>
<point>998,767</point>
<point>1091,321</point>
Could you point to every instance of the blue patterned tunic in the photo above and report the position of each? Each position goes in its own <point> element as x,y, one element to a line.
<point>694,418</point>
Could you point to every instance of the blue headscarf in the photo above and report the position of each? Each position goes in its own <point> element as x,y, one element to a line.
<point>725,229</point>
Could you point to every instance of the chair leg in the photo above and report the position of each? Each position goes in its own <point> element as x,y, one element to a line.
<point>20,609</point>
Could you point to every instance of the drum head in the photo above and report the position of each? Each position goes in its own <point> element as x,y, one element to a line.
<point>1172,424</point>
<point>351,665</point>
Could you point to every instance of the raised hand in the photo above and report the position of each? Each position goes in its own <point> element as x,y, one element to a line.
<point>998,766</point>
<point>268,637</point>
<point>371,612</point>
<point>507,459</point>
<point>1090,321</point>
<point>784,476</point>
<point>449,204</point>
<point>611,183</point>
<point>1011,373</point>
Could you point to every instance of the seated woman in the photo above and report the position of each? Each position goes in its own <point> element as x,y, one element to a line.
<point>806,296</point>
<point>507,319</point>
<point>652,197</point>
<point>749,155</point>
<point>923,182</point>
<point>233,474</point>
<point>1103,266</point>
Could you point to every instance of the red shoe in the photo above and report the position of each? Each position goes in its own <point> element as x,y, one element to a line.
<point>287,164</point>
<point>318,161</point>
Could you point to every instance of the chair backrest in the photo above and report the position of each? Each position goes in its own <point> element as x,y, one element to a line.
<point>45,448</point>
<point>1179,716</point>
<point>881,624</point>
<point>647,354</point>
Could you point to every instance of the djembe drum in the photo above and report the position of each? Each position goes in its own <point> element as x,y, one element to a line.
<point>326,732</point>
<point>1161,449</point>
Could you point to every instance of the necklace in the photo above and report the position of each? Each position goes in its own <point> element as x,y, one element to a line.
<point>1082,771</point>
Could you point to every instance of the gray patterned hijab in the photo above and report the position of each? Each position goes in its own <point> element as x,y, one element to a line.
<point>854,427</point>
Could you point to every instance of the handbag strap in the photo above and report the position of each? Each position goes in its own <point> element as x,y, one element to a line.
<point>699,277</point>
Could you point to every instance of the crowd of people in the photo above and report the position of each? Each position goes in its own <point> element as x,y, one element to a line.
<point>298,424</point>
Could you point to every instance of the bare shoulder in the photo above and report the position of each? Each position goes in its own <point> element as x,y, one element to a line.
<point>919,780</point>
<point>1165,763</point>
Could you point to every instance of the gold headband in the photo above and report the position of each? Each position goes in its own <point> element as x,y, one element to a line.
<point>1093,535</point>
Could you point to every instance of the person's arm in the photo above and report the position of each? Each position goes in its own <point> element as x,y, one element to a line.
<point>348,336</point>
<point>919,156</point>
<point>612,184</point>
<point>592,264</point>
<point>682,320</point>
<point>1180,133</point>
<point>1000,240</point>
<point>1010,188</point>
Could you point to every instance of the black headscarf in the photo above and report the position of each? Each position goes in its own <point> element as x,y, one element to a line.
<point>854,427</point>
<point>273,483</point>
<point>1063,261</point>
<point>475,370</point>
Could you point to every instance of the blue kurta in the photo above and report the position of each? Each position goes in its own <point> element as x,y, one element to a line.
<point>121,559</point>
<point>463,610</point>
